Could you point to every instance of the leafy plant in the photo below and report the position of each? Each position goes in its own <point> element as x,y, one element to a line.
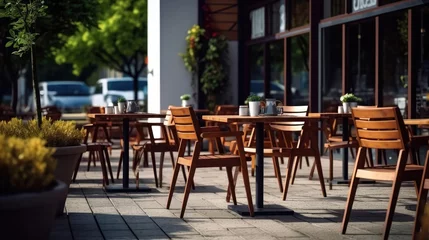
<point>56,134</point>
<point>194,44</point>
<point>350,97</point>
<point>26,165</point>
<point>185,97</point>
<point>253,98</point>
<point>121,99</point>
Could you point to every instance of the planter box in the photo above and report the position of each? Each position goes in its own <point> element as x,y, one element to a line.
<point>30,215</point>
<point>66,162</point>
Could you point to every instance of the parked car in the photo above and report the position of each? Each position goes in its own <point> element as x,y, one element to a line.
<point>68,96</point>
<point>108,90</point>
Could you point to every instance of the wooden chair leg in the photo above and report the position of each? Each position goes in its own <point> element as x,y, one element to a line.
<point>119,166</point>
<point>277,172</point>
<point>331,168</point>
<point>173,184</point>
<point>310,176</point>
<point>253,165</point>
<point>76,169</point>
<point>187,190</point>
<point>172,159</point>
<point>307,161</point>
<point>161,165</point>
<point>107,160</point>
<point>421,203</point>
<point>392,205</point>
<point>231,184</point>
<point>318,164</point>
<point>154,168</point>
<point>288,175</point>
<point>228,193</point>
<point>360,163</point>
<point>295,169</point>
<point>103,168</point>
<point>146,159</point>
<point>246,182</point>
<point>91,153</point>
<point>282,161</point>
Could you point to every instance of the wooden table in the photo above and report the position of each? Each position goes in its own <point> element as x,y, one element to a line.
<point>125,117</point>
<point>421,121</point>
<point>310,125</point>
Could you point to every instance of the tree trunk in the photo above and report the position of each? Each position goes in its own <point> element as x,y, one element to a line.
<point>36,86</point>
<point>136,87</point>
<point>14,95</point>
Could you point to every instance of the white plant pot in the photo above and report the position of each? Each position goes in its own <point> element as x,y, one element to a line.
<point>254,108</point>
<point>346,107</point>
<point>122,106</point>
<point>185,103</point>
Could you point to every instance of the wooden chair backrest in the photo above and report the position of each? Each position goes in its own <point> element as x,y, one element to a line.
<point>52,113</point>
<point>226,110</point>
<point>298,111</point>
<point>186,122</point>
<point>170,129</point>
<point>380,128</point>
<point>95,110</point>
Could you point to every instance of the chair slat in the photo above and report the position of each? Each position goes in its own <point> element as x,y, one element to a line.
<point>385,124</point>
<point>373,113</point>
<point>185,128</point>
<point>187,135</point>
<point>382,135</point>
<point>381,144</point>
<point>182,120</point>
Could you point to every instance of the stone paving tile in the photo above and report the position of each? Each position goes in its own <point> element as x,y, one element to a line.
<point>94,214</point>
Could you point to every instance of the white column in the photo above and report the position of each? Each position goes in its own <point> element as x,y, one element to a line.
<point>168,23</point>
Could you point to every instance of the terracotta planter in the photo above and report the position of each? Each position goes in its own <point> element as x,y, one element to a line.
<point>30,215</point>
<point>66,162</point>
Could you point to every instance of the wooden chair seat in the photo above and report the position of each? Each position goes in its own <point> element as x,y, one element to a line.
<point>270,152</point>
<point>388,173</point>
<point>210,160</point>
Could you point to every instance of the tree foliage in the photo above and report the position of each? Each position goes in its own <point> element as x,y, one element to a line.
<point>119,41</point>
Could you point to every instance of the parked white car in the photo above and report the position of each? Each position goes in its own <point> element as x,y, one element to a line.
<point>108,90</point>
<point>68,96</point>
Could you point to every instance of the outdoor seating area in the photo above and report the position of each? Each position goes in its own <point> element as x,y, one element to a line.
<point>290,135</point>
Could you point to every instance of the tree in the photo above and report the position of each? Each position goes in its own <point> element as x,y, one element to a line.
<point>119,42</point>
<point>58,17</point>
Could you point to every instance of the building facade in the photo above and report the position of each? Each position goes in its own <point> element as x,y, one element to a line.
<point>301,51</point>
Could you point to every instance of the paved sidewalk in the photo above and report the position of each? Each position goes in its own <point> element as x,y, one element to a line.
<point>94,214</point>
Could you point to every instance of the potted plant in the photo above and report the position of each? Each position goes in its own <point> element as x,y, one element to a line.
<point>29,192</point>
<point>63,136</point>
<point>185,99</point>
<point>254,104</point>
<point>349,101</point>
<point>122,104</point>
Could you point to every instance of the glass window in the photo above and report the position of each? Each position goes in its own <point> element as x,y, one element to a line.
<point>333,8</point>
<point>276,66</point>
<point>257,18</point>
<point>361,64</point>
<point>332,69</point>
<point>124,85</point>
<point>422,91</point>
<point>394,59</point>
<point>257,69</point>
<point>300,13</point>
<point>69,89</point>
<point>278,17</point>
<point>298,76</point>
<point>98,88</point>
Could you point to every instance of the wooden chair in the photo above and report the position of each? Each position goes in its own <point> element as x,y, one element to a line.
<point>188,129</point>
<point>223,110</point>
<point>6,113</point>
<point>97,151</point>
<point>421,222</point>
<point>293,149</point>
<point>168,143</point>
<point>381,128</point>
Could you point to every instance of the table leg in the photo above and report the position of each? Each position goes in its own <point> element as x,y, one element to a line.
<point>260,209</point>
<point>259,165</point>
<point>345,150</point>
<point>126,186</point>
<point>126,157</point>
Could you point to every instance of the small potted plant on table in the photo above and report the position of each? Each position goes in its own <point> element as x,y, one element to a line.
<point>254,104</point>
<point>29,193</point>
<point>122,104</point>
<point>349,101</point>
<point>185,99</point>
